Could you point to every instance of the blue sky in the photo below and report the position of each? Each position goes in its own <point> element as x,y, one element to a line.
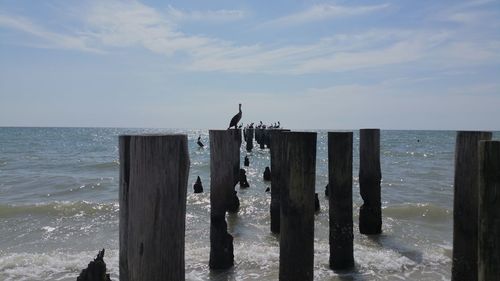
<point>310,64</point>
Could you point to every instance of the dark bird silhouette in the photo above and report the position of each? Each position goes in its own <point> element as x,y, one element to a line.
<point>200,144</point>
<point>236,118</point>
<point>243,179</point>
<point>267,174</point>
<point>198,187</point>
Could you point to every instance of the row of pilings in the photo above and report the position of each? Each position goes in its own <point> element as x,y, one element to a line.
<point>153,183</point>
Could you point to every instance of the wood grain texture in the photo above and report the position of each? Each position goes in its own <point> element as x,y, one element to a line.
<point>153,184</point>
<point>340,199</point>
<point>224,174</point>
<point>466,204</point>
<point>297,209</point>
<point>370,175</point>
<point>278,175</point>
<point>489,211</point>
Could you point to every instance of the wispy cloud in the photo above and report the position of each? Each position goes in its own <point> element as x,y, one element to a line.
<point>48,39</point>
<point>204,16</point>
<point>116,24</point>
<point>322,12</point>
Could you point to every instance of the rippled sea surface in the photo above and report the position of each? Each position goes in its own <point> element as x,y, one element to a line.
<point>59,206</point>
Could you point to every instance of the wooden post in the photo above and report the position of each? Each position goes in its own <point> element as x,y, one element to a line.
<point>340,199</point>
<point>249,139</point>
<point>258,135</point>
<point>297,209</point>
<point>266,138</point>
<point>278,176</point>
<point>235,154</point>
<point>370,213</point>
<point>224,146</point>
<point>466,204</point>
<point>153,184</point>
<point>489,211</point>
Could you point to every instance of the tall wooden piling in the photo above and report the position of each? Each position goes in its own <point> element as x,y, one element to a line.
<point>278,176</point>
<point>224,146</point>
<point>370,175</point>
<point>266,139</point>
<point>489,211</point>
<point>297,209</point>
<point>258,135</point>
<point>465,205</point>
<point>249,139</point>
<point>153,184</point>
<point>340,199</point>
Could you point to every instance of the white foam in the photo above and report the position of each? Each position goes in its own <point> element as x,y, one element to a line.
<point>51,266</point>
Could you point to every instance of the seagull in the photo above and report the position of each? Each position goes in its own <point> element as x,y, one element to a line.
<point>236,118</point>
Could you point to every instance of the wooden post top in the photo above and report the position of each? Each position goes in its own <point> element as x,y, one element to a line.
<point>153,135</point>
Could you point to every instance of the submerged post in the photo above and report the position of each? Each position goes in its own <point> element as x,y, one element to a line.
<point>297,209</point>
<point>370,213</point>
<point>249,139</point>
<point>465,205</point>
<point>340,199</point>
<point>153,184</point>
<point>278,176</point>
<point>224,145</point>
<point>489,211</point>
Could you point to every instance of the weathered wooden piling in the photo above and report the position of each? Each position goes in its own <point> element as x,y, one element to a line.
<point>297,209</point>
<point>266,139</point>
<point>258,135</point>
<point>466,204</point>
<point>278,177</point>
<point>249,139</point>
<point>370,175</point>
<point>489,211</point>
<point>153,184</point>
<point>340,200</point>
<point>224,145</point>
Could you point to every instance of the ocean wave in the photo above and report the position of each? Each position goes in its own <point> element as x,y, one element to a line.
<point>115,164</point>
<point>417,210</point>
<point>58,209</point>
<point>55,265</point>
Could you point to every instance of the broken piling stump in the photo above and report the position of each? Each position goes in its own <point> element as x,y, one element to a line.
<point>96,270</point>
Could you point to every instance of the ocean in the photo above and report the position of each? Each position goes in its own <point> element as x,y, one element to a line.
<point>59,206</point>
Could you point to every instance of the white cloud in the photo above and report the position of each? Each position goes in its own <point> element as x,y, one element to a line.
<point>323,12</point>
<point>48,38</point>
<point>205,16</point>
<point>115,24</point>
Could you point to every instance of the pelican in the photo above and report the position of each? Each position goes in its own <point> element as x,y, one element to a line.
<point>236,118</point>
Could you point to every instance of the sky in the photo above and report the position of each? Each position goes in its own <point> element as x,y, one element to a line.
<point>309,64</point>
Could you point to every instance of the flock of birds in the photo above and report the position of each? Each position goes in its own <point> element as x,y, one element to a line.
<point>236,119</point>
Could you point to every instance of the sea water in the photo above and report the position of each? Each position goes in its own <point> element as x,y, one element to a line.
<point>59,206</point>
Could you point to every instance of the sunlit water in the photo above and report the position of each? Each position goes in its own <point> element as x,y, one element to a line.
<point>59,206</point>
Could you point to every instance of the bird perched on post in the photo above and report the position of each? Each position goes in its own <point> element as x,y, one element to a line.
<point>236,118</point>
